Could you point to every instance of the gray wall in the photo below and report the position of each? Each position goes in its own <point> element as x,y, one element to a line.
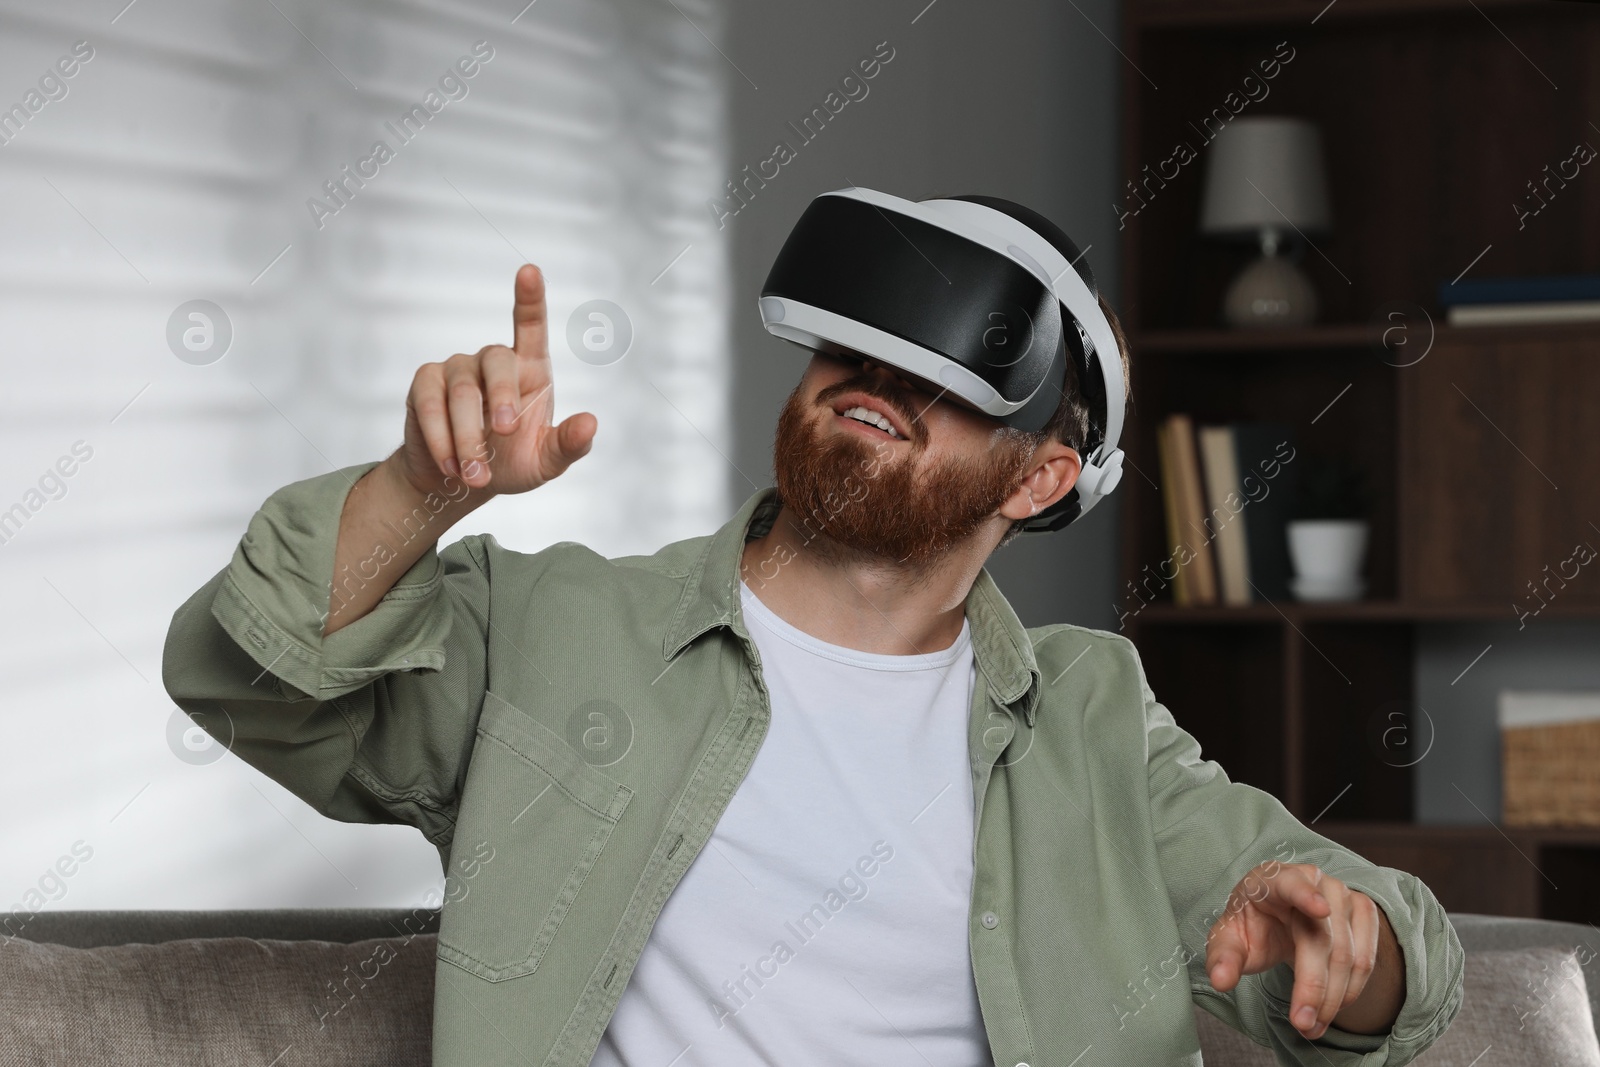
<point>1012,98</point>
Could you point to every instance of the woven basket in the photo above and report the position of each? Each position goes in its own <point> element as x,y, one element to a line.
<point>1550,769</point>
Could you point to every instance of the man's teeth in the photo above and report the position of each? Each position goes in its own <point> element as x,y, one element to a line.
<point>867,415</point>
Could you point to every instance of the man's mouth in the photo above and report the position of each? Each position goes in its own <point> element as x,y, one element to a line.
<point>869,418</point>
<point>872,415</point>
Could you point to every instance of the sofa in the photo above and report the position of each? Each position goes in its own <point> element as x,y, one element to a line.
<point>282,988</point>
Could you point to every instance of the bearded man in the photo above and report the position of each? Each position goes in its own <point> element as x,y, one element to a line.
<point>799,791</point>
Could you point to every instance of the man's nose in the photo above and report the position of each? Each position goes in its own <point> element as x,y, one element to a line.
<point>884,370</point>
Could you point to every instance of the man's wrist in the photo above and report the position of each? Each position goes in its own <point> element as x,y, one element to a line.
<point>386,526</point>
<point>1378,1006</point>
<point>448,497</point>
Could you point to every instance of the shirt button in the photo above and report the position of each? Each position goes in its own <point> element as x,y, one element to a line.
<point>990,920</point>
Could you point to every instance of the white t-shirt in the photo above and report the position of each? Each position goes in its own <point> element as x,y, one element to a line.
<point>826,920</point>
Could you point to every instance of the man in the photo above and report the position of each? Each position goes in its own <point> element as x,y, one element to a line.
<point>800,791</point>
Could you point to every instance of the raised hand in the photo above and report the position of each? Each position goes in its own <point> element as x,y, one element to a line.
<point>487,418</point>
<point>1347,964</point>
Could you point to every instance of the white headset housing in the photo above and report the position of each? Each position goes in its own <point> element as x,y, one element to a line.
<point>834,282</point>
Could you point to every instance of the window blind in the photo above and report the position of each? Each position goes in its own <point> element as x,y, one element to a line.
<point>216,283</point>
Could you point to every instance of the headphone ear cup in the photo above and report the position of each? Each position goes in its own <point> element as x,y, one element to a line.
<point>1098,479</point>
<point>1094,483</point>
<point>1057,515</point>
<point>1112,473</point>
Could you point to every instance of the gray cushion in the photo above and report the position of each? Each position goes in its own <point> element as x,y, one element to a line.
<point>1530,1004</point>
<point>219,1001</point>
<point>1498,931</point>
<point>69,1005</point>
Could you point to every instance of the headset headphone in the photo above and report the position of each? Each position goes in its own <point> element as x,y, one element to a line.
<point>970,295</point>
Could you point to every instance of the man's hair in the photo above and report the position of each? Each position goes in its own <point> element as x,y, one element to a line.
<point>1070,422</point>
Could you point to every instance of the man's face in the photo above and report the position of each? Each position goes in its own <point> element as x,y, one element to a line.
<point>910,496</point>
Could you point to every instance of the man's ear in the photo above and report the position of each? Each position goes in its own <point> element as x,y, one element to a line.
<point>1051,474</point>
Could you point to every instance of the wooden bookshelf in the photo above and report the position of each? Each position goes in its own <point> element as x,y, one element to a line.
<point>1482,454</point>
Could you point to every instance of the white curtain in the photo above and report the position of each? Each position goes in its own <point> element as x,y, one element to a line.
<point>162,164</point>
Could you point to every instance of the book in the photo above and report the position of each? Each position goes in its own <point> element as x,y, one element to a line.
<point>1172,512</point>
<point>1527,312</point>
<point>1265,454</point>
<point>1520,290</point>
<point>1192,533</point>
<point>1225,504</point>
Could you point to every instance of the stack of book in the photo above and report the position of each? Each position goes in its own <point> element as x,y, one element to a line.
<point>1226,491</point>
<point>1514,301</point>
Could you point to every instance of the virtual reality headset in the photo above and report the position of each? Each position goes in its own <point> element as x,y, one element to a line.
<point>979,300</point>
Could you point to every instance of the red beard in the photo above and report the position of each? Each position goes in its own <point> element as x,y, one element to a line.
<point>844,488</point>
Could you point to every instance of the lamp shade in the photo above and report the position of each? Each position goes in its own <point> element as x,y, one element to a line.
<point>1265,171</point>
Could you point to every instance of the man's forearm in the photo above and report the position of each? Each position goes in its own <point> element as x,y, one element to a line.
<point>386,526</point>
<point>1379,1004</point>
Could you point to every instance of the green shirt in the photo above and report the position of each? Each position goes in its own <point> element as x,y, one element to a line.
<point>465,704</point>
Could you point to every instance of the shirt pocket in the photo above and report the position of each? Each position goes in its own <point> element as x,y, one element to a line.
<point>546,815</point>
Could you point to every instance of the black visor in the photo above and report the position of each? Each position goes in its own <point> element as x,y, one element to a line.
<point>937,290</point>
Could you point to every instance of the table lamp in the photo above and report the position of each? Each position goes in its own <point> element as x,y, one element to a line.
<point>1264,180</point>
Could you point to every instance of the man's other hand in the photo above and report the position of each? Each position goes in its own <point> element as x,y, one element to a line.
<point>1348,969</point>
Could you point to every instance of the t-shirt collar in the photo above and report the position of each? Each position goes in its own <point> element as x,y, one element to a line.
<point>1000,643</point>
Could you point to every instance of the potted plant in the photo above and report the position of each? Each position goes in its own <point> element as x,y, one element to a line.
<point>1327,530</point>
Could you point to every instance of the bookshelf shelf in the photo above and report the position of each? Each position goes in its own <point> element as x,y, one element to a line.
<point>1348,336</point>
<point>1480,456</point>
<point>1525,837</point>
<point>1194,342</point>
<point>1159,613</point>
<point>1204,13</point>
<point>1552,872</point>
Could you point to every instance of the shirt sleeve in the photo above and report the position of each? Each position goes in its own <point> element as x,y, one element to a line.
<point>373,723</point>
<point>1210,831</point>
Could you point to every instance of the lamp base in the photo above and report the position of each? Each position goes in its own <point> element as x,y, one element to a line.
<point>1270,292</point>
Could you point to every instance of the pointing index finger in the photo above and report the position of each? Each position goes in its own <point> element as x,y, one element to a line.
<point>528,313</point>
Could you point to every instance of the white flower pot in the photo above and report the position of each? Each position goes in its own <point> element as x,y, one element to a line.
<point>1327,555</point>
